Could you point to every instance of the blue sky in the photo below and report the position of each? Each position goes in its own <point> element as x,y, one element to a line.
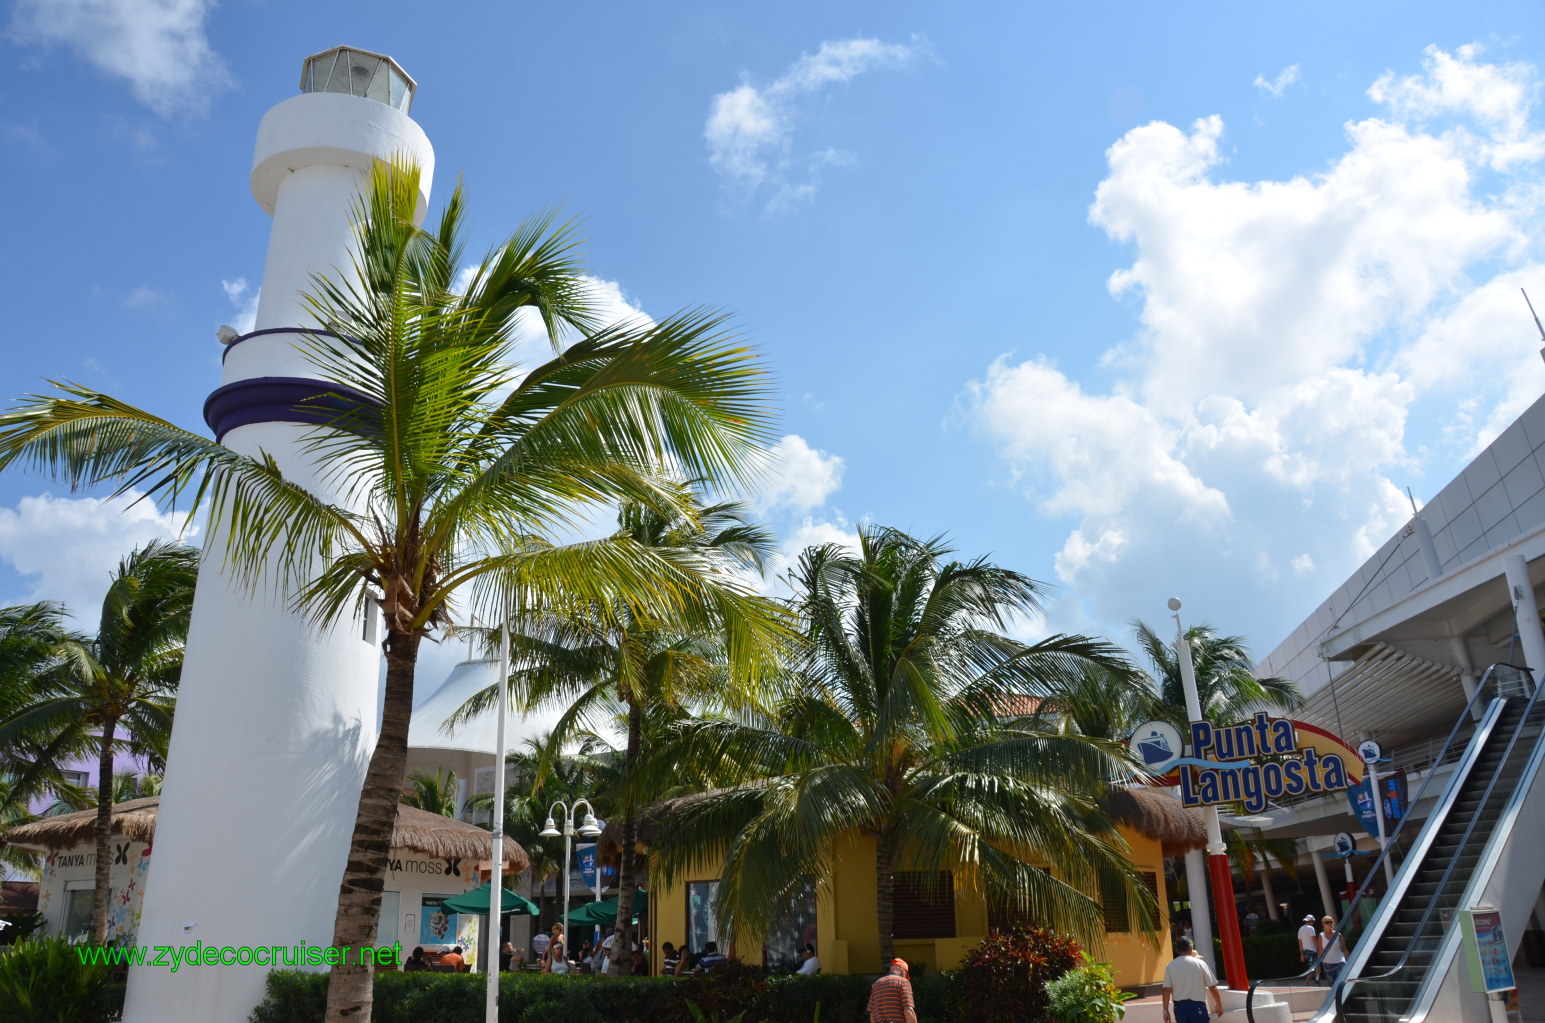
<point>1139,299</point>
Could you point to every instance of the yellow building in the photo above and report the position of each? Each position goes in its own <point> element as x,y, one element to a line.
<point>935,923</point>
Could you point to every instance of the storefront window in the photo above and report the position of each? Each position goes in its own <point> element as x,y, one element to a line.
<point>792,929</point>
<point>437,927</point>
<point>77,913</point>
<point>386,931</point>
<point>702,926</point>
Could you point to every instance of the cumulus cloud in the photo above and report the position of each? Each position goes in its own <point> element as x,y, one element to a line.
<point>1248,440</point>
<point>750,129</point>
<point>1286,77</point>
<point>67,548</point>
<point>800,477</point>
<point>157,46</point>
<point>244,298</point>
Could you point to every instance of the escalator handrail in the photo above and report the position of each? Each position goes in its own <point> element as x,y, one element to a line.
<point>1421,926</point>
<point>1373,871</point>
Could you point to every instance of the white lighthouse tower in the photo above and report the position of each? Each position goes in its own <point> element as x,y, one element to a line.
<point>276,718</point>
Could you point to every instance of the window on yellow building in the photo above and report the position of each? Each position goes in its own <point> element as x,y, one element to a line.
<point>1117,919</point>
<point>924,904</point>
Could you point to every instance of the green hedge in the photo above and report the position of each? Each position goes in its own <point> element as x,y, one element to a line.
<point>296,997</point>
<point>1272,956</point>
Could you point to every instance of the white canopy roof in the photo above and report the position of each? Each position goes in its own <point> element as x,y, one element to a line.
<point>431,710</point>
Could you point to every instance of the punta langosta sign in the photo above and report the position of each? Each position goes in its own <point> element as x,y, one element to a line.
<point>1251,763</point>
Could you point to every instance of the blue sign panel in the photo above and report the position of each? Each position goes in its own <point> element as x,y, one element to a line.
<point>1362,807</point>
<point>587,865</point>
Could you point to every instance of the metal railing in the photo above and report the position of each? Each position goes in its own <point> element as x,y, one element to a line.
<point>1456,781</point>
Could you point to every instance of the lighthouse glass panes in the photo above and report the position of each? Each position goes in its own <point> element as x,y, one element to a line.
<point>358,73</point>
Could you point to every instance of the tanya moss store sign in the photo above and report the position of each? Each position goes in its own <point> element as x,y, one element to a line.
<point>1250,763</point>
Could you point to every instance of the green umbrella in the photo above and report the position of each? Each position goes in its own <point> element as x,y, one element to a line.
<point>477,900</point>
<point>600,914</point>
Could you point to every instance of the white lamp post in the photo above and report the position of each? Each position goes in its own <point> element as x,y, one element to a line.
<point>496,871</point>
<point>587,829</point>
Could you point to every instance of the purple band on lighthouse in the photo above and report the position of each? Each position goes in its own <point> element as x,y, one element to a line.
<point>283,400</point>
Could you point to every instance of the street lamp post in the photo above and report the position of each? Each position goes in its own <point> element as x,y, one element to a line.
<point>587,829</point>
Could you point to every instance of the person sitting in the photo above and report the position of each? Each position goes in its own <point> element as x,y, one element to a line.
<point>638,966</point>
<point>710,958</point>
<point>454,960</point>
<point>557,959</point>
<point>415,962</point>
<point>587,961</point>
<point>506,956</point>
<point>811,965</point>
<point>669,958</point>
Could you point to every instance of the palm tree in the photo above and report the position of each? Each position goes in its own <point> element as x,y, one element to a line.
<point>127,785</point>
<point>30,636</point>
<point>1226,685</point>
<point>610,660</point>
<point>115,691</point>
<point>435,793</point>
<point>907,721</point>
<point>25,862</point>
<point>465,472</point>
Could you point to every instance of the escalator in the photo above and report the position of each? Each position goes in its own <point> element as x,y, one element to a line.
<point>1481,844</point>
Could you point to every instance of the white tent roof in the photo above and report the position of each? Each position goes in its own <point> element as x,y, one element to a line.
<point>478,735</point>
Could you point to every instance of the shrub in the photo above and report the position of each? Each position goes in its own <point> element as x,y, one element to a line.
<point>1087,994</point>
<point>840,998</point>
<point>1004,978</point>
<point>298,997</point>
<point>42,980</point>
<point>1267,956</point>
<point>728,988</point>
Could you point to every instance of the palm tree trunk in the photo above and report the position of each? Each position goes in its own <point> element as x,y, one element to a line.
<point>627,882</point>
<point>884,899</point>
<point>103,830</point>
<point>350,989</point>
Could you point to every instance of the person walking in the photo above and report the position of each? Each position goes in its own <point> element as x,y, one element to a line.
<point>890,999</point>
<point>1188,980</point>
<point>1308,943</point>
<point>1333,949</point>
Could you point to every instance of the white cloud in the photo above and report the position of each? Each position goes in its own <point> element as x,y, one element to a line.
<point>244,298</point>
<point>146,297</point>
<point>799,477</point>
<point>1286,77</point>
<point>67,548</point>
<point>1245,445</point>
<point>158,46</point>
<point>750,130</point>
<point>1499,96</point>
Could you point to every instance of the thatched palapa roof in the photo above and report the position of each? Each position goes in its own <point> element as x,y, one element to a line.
<point>1158,816</point>
<point>415,831</point>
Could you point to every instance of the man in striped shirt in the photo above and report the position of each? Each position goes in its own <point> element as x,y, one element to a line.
<point>890,1000</point>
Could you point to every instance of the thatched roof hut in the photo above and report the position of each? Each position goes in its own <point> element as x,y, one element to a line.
<point>1158,816</point>
<point>415,831</point>
<point>1150,813</point>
